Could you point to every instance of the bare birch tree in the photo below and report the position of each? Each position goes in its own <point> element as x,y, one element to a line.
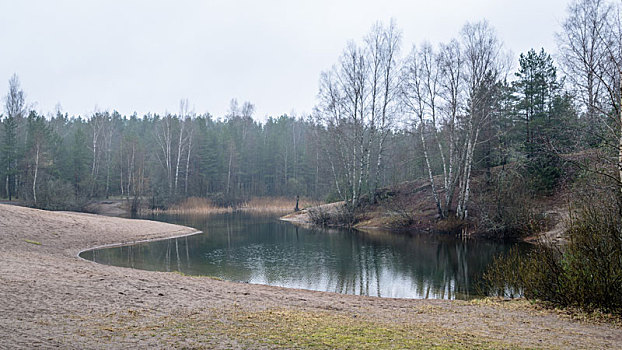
<point>420,93</point>
<point>357,106</point>
<point>433,91</point>
<point>449,93</point>
<point>592,41</point>
<point>190,135</point>
<point>583,53</point>
<point>383,45</point>
<point>182,142</point>
<point>98,123</point>
<point>451,63</point>
<point>108,138</point>
<point>353,126</point>
<point>485,64</point>
<point>38,134</point>
<point>164,139</point>
<point>15,107</point>
<point>612,80</point>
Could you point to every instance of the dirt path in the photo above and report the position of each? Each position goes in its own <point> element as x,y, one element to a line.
<point>556,234</point>
<point>112,207</point>
<point>50,298</point>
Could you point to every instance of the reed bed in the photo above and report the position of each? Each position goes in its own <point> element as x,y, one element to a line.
<point>278,205</point>
<point>257,205</point>
<point>194,206</point>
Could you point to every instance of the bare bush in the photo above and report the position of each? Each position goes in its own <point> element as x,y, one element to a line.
<point>338,215</point>
<point>586,273</point>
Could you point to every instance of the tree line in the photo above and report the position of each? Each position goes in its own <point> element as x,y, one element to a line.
<point>456,103</point>
<point>438,112</point>
<point>60,161</point>
<point>468,111</point>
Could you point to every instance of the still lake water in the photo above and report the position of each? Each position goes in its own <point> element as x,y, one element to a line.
<point>261,249</point>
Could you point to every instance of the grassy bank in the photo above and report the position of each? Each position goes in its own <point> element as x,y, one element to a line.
<point>288,328</point>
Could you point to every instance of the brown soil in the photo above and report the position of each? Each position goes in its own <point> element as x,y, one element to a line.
<point>302,216</point>
<point>555,235</point>
<point>50,298</point>
<point>408,206</point>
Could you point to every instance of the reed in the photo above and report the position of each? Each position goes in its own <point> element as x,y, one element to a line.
<point>277,205</point>
<point>195,205</point>
<point>258,205</point>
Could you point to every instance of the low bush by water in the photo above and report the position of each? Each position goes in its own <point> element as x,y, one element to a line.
<point>584,273</point>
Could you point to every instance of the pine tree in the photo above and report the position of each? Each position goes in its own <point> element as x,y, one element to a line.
<point>541,110</point>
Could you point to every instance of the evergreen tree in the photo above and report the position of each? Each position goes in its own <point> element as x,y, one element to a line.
<point>542,108</point>
<point>9,155</point>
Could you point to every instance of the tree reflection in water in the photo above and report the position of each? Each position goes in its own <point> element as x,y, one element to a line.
<point>260,249</point>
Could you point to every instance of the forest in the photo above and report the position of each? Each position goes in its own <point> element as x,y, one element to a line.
<point>386,114</point>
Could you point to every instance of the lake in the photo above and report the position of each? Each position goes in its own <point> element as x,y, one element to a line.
<point>261,249</point>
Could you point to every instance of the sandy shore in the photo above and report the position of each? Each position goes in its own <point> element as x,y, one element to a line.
<point>50,298</point>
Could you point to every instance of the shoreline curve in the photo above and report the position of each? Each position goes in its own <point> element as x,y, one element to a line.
<point>53,299</point>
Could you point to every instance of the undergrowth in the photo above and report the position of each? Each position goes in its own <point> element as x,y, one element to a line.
<point>586,273</point>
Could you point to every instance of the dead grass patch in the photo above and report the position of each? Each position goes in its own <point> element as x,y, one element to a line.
<point>279,205</point>
<point>257,205</point>
<point>285,328</point>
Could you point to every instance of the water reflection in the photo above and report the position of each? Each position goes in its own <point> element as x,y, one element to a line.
<point>257,249</point>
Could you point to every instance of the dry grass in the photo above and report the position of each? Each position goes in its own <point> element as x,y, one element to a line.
<point>282,329</point>
<point>194,205</point>
<point>280,205</point>
<point>258,205</point>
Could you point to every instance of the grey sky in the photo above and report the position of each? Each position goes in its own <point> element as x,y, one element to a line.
<point>145,56</point>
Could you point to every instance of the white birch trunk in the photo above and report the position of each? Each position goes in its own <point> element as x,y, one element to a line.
<point>188,163</point>
<point>34,181</point>
<point>108,160</point>
<point>466,190</point>
<point>378,166</point>
<point>179,151</point>
<point>164,140</point>
<point>229,172</point>
<point>449,191</point>
<point>430,176</point>
<point>462,174</point>
<point>130,174</point>
<point>121,168</point>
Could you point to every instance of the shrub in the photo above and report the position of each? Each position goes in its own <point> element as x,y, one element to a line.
<point>545,170</point>
<point>586,272</point>
<point>56,194</point>
<point>227,200</point>
<point>319,216</point>
<point>593,262</point>
<point>505,207</point>
<point>337,215</point>
<point>504,275</point>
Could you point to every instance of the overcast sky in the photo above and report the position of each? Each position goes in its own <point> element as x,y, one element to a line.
<point>144,56</point>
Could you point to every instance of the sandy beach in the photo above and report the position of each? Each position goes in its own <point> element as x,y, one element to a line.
<point>51,298</point>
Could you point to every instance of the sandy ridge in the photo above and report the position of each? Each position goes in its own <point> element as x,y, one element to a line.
<point>51,298</point>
